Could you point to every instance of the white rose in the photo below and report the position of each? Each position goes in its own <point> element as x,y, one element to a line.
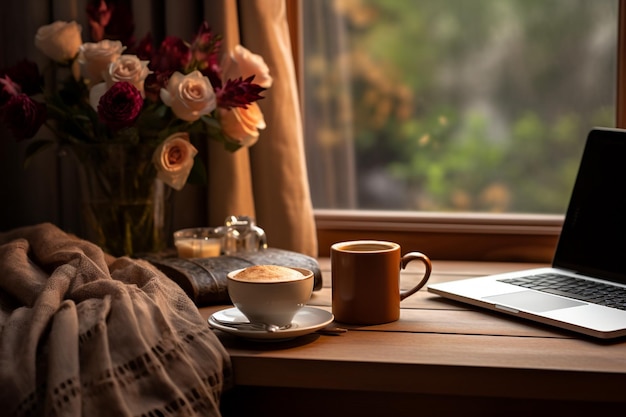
<point>127,68</point>
<point>95,93</point>
<point>173,160</point>
<point>60,41</point>
<point>243,63</point>
<point>190,96</point>
<point>96,57</point>
<point>242,124</point>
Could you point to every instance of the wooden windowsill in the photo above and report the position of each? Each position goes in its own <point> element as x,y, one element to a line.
<point>459,236</point>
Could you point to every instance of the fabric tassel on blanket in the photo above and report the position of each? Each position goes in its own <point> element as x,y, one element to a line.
<point>85,334</point>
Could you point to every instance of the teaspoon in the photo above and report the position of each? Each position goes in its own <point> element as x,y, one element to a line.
<point>272,328</point>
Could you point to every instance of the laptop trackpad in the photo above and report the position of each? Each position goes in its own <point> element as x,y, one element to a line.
<point>532,301</point>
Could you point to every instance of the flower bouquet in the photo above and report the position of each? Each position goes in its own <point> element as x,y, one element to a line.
<point>131,115</point>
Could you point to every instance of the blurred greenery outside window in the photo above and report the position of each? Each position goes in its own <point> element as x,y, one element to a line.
<point>454,105</point>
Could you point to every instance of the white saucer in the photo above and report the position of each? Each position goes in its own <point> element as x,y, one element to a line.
<point>307,320</point>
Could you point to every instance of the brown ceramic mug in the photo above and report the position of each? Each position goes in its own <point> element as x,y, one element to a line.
<point>366,280</point>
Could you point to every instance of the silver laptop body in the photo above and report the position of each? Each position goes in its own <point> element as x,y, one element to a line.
<point>592,246</point>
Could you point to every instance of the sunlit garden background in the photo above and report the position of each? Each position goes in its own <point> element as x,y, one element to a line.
<point>454,105</point>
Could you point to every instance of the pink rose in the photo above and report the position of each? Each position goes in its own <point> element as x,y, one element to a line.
<point>96,57</point>
<point>173,160</point>
<point>190,96</point>
<point>242,124</point>
<point>59,40</point>
<point>127,68</point>
<point>120,105</point>
<point>243,63</point>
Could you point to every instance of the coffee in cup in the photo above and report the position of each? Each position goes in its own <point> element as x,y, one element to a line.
<point>366,280</point>
<point>270,294</point>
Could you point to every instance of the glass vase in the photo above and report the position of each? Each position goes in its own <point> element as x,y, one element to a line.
<point>125,209</point>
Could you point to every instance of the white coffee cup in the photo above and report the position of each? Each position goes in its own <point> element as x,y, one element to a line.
<point>270,295</point>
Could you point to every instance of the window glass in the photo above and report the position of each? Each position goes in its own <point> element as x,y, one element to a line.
<point>454,105</point>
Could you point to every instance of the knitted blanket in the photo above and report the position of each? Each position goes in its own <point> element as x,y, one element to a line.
<point>86,334</point>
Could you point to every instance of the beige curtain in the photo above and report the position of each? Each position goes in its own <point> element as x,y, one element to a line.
<point>268,181</point>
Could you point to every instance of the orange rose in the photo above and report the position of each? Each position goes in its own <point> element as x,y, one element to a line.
<point>174,159</point>
<point>242,124</point>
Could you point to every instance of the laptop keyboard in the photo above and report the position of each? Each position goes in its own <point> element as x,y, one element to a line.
<point>577,288</point>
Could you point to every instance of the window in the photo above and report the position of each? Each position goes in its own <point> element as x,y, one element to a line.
<point>453,105</point>
<point>436,111</point>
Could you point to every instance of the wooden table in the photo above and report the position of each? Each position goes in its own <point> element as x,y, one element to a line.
<point>441,358</point>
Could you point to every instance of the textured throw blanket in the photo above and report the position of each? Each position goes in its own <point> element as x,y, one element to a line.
<point>85,334</point>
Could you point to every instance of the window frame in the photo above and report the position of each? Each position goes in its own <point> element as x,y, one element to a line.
<point>452,236</point>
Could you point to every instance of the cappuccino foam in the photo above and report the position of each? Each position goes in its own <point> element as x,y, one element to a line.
<point>268,273</point>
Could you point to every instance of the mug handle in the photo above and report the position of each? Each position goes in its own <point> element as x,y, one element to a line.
<point>412,256</point>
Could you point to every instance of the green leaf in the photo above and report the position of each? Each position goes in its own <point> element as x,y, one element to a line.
<point>231,146</point>
<point>211,123</point>
<point>198,175</point>
<point>161,110</point>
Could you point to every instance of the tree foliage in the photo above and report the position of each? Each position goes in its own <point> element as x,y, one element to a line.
<point>480,105</point>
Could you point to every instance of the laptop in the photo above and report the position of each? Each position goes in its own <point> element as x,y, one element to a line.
<point>584,289</point>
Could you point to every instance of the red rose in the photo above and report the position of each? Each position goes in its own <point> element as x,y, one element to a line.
<point>173,54</point>
<point>8,90</point>
<point>24,116</point>
<point>205,49</point>
<point>120,105</point>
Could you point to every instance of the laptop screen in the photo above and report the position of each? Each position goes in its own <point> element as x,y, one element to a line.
<point>593,238</point>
